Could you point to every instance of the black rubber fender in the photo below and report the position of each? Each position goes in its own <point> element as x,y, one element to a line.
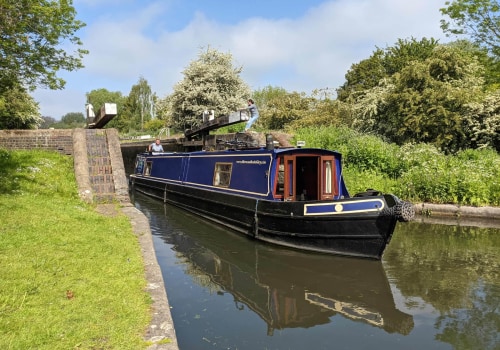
<point>404,211</point>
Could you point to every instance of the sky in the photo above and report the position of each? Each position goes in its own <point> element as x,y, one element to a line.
<point>298,45</point>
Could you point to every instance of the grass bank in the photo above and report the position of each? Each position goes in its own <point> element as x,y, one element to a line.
<point>70,277</point>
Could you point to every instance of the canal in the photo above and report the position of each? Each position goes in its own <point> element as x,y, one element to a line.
<point>437,287</point>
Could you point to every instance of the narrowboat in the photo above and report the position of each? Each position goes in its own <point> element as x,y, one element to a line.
<point>294,197</point>
<point>286,288</point>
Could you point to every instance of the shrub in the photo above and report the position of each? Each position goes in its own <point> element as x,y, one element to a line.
<point>416,172</point>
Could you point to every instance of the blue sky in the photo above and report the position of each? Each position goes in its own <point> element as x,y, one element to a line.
<point>297,45</point>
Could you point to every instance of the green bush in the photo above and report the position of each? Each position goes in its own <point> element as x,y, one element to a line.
<point>416,172</point>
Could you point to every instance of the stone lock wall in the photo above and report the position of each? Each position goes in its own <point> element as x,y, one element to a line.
<point>60,140</point>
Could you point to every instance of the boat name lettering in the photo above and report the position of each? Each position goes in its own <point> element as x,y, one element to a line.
<point>258,162</point>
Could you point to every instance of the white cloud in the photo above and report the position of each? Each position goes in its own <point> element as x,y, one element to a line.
<point>314,51</point>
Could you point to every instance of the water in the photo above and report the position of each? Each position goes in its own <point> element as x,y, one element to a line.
<point>437,287</point>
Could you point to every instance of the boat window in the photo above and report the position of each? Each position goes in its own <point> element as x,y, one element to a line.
<point>280,189</point>
<point>147,170</point>
<point>222,174</point>
<point>139,166</point>
<point>327,166</point>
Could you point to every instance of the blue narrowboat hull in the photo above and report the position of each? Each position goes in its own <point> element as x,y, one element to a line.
<point>342,225</point>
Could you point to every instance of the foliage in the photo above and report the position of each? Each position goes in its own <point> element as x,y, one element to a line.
<point>164,110</point>
<point>18,110</point>
<point>361,151</point>
<point>428,98</point>
<point>323,110</point>
<point>483,120</point>
<point>32,34</point>
<point>70,121</point>
<point>75,278</point>
<point>101,96</point>
<point>384,63</point>
<point>47,122</point>
<point>470,178</point>
<point>424,101</point>
<point>490,64</point>
<point>416,171</point>
<point>154,126</point>
<point>140,104</point>
<point>282,109</point>
<point>210,83</point>
<point>477,19</point>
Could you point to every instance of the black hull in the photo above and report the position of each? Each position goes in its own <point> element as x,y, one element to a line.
<point>286,288</point>
<point>363,234</point>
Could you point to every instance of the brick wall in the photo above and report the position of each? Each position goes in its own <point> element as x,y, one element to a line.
<point>60,140</point>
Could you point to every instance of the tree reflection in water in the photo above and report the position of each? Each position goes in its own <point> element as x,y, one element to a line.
<point>455,269</point>
<point>444,278</point>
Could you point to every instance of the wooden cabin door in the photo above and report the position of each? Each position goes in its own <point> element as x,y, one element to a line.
<point>290,191</point>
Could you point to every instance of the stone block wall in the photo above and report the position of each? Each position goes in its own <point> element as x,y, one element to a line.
<point>60,140</point>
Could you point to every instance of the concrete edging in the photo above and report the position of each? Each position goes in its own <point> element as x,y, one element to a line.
<point>451,210</point>
<point>161,328</point>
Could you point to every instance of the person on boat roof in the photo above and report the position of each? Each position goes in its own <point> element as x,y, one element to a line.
<point>155,146</point>
<point>254,114</point>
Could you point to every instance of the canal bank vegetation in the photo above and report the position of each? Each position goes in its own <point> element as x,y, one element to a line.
<point>414,172</point>
<point>70,277</point>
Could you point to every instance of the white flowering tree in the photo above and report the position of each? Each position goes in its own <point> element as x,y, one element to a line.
<point>210,83</point>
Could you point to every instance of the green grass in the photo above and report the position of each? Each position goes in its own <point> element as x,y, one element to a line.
<point>70,277</point>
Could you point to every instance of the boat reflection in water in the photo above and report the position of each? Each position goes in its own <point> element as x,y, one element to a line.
<point>285,287</point>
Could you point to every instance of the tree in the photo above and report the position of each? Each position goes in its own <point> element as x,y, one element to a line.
<point>324,110</point>
<point>72,120</point>
<point>425,101</point>
<point>32,38</point>
<point>384,63</point>
<point>363,76</point>
<point>101,96</point>
<point>163,110</point>
<point>210,83</point>
<point>490,64</point>
<point>483,120</point>
<point>478,19</point>
<point>140,103</point>
<point>48,122</point>
<point>279,108</point>
<point>18,110</point>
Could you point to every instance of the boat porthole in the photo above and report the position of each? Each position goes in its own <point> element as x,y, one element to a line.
<point>339,208</point>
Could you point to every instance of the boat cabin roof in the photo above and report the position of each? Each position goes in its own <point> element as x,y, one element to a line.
<point>276,151</point>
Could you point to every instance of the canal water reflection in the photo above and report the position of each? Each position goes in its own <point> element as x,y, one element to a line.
<point>436,288</point>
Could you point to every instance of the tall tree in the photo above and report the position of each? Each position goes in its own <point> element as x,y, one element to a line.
<point>101,96</point>
<point>163,110</point>
<point>141,103</point>
<point>32,34</point>
<point>210,83</point>
<point>478,19</point>
<point>425,101</point>
<point>383,63</point>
